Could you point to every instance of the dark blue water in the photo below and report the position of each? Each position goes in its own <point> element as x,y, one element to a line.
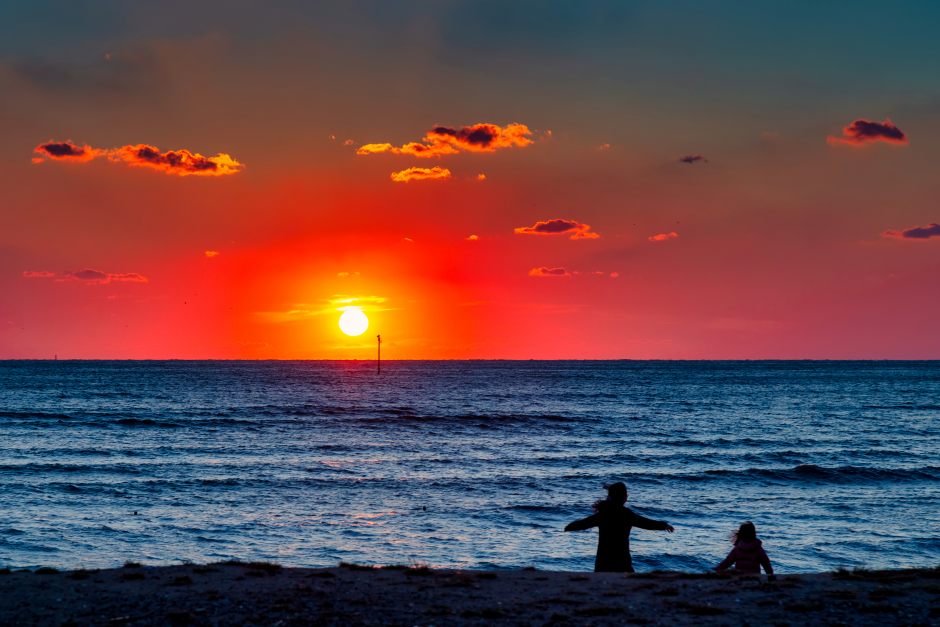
<point>310,463</point>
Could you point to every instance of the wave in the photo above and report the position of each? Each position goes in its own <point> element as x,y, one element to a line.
<point>144,422</point>
<point>34,414</point>
<point>811,473</point>
<point>906,407</point>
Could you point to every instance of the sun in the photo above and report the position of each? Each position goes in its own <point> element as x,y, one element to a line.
<point>353,322</point>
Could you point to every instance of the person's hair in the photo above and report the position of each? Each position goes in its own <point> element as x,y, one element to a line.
<point>745,533</point>
<point>615,494</point>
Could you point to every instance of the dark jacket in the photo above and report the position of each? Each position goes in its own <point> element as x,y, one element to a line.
<point>614,522</point>
<point>748,557</point>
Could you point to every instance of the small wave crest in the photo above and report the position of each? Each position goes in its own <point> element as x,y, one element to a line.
<point>144,422</point>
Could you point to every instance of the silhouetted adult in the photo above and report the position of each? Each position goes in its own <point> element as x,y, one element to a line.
<point>614,522</point>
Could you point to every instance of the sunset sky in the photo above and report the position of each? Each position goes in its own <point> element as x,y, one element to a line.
<point>594,179</point>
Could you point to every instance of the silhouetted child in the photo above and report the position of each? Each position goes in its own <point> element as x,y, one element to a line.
<point>614,522</point>
<point>747,556</point>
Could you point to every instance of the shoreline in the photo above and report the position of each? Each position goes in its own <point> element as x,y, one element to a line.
<point>261,593</point>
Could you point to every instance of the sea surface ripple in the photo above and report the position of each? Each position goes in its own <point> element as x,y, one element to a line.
<point>468,464</point>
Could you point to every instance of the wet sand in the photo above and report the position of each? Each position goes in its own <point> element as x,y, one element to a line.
<point>265,594</point>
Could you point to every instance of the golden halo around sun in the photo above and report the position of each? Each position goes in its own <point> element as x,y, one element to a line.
<point>353,322</point>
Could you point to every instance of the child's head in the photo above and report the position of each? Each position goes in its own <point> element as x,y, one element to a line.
<point>616,495</point>
<point>745,533</point>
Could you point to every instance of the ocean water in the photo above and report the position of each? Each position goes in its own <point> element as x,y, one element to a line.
<point>467,464</point>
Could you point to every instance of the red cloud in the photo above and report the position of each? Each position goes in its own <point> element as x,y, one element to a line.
<point>444,140</point>
<point>662,237</point>
<point>862,132</point>
<point>557,227</point>
<point>693,159</point>
<point>420,174</point>
<point>88,275</point>
<point>917,232</point>
<point>66,151</point>
<point>180,162</point>
<point>543,271</point>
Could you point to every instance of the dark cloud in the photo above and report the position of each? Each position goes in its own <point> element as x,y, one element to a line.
<point>557,227</point>
<point>66,150</point>
<point>87,275</point>
<point>862,132</point>
<point>917,232</point>
<point>693,159</point>
<point>481,135</point>
<point>543,271</point>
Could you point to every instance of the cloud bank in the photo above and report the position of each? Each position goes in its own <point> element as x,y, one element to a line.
<point>444,140</point>
<point>87,275</point>
<point>662,237</point>
<point>862,132</point>
<point>559,227</point>
<point>420,174</point>
<point>180,162</point>
<point>917,232</point>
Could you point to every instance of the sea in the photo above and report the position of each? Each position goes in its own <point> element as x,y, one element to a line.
<point>466,464</point>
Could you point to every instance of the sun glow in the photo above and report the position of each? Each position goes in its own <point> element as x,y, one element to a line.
<point>353,322</point>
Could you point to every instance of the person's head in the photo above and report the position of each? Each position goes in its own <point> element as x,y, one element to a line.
<point>616,495</point>
<point>745,533</point>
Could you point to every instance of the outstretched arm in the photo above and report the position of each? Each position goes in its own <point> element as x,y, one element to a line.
<point>584,523</point>
<point>649,524</point>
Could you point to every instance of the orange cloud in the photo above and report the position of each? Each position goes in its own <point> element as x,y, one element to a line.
<point>420,174</point>
<point>559,227</point>
<point>88,275</point>
<point>481,177</point>
<point>444,140</point>
<point>181,162</point>
<point>211,253</point>
<point>662,237</point>
<point>862,132</point>
<point>472,238</point>
<point>66,151</point>
<point>543,271</point>
<point>348,142</point>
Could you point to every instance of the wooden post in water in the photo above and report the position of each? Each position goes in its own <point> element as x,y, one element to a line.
<point>379,362</point>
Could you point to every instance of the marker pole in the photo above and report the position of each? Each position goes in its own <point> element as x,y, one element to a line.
<point>379,362</point>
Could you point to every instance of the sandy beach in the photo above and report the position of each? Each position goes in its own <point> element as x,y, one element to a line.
<point>266,594</point>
